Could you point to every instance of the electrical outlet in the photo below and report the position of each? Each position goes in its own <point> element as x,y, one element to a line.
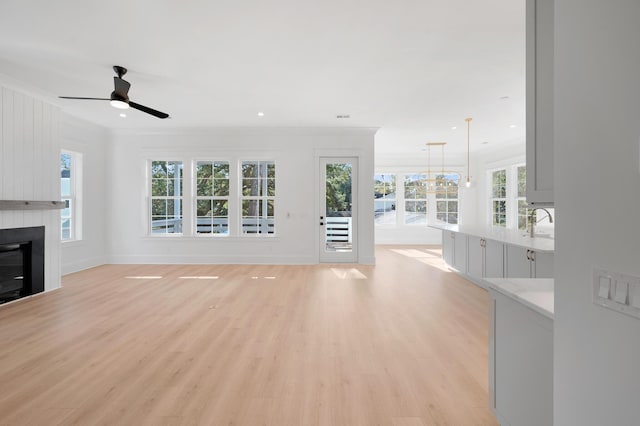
<point>617,291</point>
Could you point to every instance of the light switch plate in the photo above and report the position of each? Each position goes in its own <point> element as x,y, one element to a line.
<point>617,291</point>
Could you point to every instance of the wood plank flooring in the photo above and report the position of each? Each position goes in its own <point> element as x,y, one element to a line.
<point>402,343</point>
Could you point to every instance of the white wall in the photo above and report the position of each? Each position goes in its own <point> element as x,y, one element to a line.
<point>597,187</point>
<point>30,169</point>
<point>90,141</point>
<point>295,152</point>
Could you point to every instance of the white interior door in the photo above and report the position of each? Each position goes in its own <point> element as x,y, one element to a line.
<point>338,209</point>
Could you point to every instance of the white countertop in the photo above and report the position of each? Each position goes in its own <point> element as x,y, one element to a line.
<point>536,293</point>
<point>508,236</point>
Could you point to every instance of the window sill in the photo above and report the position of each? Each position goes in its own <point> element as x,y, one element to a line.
<point>72,243</point>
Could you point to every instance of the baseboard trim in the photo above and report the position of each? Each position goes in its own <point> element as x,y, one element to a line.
<point>213,260</point>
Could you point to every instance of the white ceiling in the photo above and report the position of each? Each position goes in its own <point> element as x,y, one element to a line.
<point>415,68</point>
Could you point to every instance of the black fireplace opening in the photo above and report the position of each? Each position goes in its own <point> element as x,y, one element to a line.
<point>21,262</point>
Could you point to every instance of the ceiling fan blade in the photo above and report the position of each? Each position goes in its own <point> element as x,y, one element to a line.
<point>148,110</point>
<point>76,97</point>
<point>122,86</point>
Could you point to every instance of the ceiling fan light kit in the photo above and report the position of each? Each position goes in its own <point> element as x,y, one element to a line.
<point>120,96</point>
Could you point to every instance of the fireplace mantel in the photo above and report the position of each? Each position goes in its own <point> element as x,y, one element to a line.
<point>31,205</point>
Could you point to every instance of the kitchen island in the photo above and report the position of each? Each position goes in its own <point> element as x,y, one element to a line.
<point>483,252</point>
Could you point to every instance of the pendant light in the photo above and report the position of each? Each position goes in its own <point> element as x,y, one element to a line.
<point>432,182</point>
<point>468,182</point>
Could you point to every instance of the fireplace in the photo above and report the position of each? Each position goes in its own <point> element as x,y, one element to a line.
<point>21,262</point>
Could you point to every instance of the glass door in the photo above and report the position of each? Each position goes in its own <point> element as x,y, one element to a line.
<point>337,219</point>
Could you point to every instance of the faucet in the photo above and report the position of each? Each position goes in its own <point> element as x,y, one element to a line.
<point>533,223</point>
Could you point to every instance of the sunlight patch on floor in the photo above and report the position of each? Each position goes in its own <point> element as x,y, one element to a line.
<point>200,277</point>
<point>416,253</point>
<point>348,273</point>
<point>435,262</point>
<point>144,277</point>
<point>431,257</point>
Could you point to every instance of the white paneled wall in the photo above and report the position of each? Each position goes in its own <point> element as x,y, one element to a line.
<point>30,169</point>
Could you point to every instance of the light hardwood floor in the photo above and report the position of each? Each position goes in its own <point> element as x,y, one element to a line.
<point>402,343</point>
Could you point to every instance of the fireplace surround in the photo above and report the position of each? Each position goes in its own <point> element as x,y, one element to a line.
<point>21,262</point>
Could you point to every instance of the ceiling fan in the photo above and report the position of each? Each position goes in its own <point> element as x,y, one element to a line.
<point>120,96</point>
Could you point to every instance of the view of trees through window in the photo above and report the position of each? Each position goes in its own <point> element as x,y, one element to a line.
<point>338,189</point>
<point>166,197</point>
<point>258,197</point>
<point>415,199</point>
<point>384,189</point>
<point>525,215</point>
<point>447,197</point>
<point>212,197</point>
<point>499,197</point>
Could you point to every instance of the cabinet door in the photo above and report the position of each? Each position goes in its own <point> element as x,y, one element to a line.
<point>475,260</point>
<point>447,247</point>
<point>460,252</point>
<point>521,364</point>
<point>518,264</point>
<point>543,265</point>
<point>539,101</point>
<point>494,259</point>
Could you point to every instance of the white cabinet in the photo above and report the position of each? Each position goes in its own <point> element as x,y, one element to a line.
<point>454,250</point>
<point>520,363</point>
<point>475,262</point>
<point>460,252</point>
<point>539,101</point>
<point>448,241</point>
<point>493,259</point>
<point>485,258</point>
<point>526,263</point>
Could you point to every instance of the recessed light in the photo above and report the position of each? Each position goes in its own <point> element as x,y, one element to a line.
<point>512,126</point>
<point>343,116</point>
<point>485,142</point>
<point>261,114</point>
<point>504,98</point>
<point>123,115</point>
<point>454,127</point>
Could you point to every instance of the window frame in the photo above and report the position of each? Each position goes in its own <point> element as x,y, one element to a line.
<point>447,199</point>
<point>392,218</point>
<point>74,198</point>
<point>263,198</point>
<point>493,199</point>
<point>167,197</point>
<point>196,198</point>
<point>423,179</point>
<point>521,197</point>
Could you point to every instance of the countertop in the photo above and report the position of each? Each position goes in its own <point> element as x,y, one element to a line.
<point>508,236</point>
<point>535,293</point>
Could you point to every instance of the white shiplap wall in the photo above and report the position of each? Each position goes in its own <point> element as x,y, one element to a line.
<point>30,169</point>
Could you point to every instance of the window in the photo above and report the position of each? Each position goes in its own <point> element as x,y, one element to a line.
<point>70,191</point>
<point>447,197</point>
<point>212,197</point>
<point>166,197</point>
<point>258,197</point>
<point>384,187</point>
<point>499,197</point>
<point>525,215</point>
<point>415,199</point>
